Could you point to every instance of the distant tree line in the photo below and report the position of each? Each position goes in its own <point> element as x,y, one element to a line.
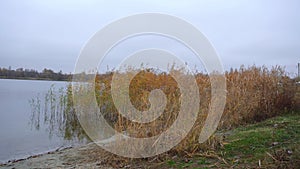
<point>46,74</point>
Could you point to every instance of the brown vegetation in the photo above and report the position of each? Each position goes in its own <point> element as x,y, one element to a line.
<point>253,94</point>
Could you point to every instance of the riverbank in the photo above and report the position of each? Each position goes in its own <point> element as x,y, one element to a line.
<point>64,158</point>
<point>273,143</point>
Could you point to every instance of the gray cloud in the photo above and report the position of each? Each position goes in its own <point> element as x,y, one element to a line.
<point>38,34</point>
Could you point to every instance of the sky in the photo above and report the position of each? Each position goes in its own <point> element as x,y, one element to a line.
<point>38,34</point>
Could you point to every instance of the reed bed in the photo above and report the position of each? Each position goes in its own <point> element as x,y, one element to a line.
<point>253,94</point>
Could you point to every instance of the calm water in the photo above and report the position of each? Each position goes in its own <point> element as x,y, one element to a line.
<point>18,139</point>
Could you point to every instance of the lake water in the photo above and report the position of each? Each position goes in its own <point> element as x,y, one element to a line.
<point>17,137</point>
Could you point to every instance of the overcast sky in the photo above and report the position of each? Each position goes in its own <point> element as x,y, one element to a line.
<point>50,33</point>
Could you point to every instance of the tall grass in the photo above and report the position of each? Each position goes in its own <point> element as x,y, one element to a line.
<point>253,94</point>
<point>55,113</point>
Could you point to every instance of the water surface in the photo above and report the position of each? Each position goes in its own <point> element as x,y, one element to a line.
<point>18,137</point>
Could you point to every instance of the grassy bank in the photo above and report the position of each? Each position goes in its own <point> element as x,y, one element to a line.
<point>274,143</point>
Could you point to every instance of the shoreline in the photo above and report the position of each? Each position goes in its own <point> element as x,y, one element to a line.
<point>236,152</point>
<point>14,160</point>
<point>69,157</point>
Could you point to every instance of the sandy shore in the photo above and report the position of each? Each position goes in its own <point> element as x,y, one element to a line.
<point>77,157</point>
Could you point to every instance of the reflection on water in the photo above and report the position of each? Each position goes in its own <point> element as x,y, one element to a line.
<point>55,111</point>
<point>35,118</point>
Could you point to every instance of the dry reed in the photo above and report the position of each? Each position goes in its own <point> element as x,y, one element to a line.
<point>253,94</point>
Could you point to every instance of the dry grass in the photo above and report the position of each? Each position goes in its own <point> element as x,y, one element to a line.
<point>253,94</point>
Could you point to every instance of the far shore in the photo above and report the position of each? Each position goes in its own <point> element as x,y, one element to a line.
<point>29,78</point>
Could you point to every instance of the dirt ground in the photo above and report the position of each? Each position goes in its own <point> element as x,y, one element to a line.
<point>67,158</point>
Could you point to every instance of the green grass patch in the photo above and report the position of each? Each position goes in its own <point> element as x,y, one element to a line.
<point>262,141</point>
<point>274,143</point>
